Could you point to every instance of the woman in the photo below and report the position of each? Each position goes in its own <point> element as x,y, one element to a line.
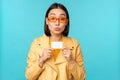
<point>55,61</point>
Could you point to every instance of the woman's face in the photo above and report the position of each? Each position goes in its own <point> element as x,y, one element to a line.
<point>56,21</point>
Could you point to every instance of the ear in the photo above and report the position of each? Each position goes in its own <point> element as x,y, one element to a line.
<point>66,23</point>
<point>47,21</point>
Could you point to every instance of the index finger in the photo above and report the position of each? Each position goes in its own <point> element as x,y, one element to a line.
<point>50,48</point>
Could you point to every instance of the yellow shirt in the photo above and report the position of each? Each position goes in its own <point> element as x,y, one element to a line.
<point>55,54</point>
<point>34,72</point>
<point>55,51</point>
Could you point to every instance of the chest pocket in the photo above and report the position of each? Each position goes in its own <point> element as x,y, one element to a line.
<point>39,49</point>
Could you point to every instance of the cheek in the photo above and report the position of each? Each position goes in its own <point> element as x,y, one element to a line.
<point>50,26</point>
<point>63,27</point>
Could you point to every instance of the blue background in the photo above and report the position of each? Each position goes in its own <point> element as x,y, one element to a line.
<point>94,23</point>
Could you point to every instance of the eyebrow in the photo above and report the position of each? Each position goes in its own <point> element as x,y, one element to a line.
<point>51,14</point>
<point>60,14</point>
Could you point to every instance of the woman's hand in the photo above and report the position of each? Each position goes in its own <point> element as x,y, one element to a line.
<point>67,54</point>
<point>47,54</point>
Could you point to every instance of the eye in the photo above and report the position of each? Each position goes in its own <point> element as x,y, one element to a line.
<point>62,18</point>
<point>52,18</point>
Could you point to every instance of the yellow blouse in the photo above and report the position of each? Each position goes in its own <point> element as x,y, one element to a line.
<point>33,71</point>
<point>55,52</point>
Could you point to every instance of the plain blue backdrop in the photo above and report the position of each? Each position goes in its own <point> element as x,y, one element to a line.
<point>94,23</point>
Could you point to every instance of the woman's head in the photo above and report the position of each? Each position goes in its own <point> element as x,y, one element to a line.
<point>56,20</point>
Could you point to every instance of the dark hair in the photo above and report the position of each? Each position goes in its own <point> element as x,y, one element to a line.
<point>54,6</point>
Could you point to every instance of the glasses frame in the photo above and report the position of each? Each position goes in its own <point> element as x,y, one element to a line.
<point>59,19</point>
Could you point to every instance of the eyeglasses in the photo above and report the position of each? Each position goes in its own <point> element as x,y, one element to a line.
<point>54,19</point>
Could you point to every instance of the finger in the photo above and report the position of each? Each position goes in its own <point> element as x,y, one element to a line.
<point>63,48</point>
<point>64,52</point>
<point>50,49</point>
<point>49,55</point>
<point>49,52</point>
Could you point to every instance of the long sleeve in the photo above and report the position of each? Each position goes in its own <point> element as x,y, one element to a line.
<point>78,72</point>
<point>33,70</point>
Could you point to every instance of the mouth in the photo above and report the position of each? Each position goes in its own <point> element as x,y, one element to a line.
<point>57,29</point>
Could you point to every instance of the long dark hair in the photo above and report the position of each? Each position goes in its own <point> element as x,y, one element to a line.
<point>54,6</point>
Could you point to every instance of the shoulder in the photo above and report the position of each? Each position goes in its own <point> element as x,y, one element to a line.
<point>36,40</point>
<point>71,40</point>
<point>40,39</point>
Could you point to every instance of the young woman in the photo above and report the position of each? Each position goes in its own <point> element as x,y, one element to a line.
<point>55,61</point>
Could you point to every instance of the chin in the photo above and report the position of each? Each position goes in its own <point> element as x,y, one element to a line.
<point>58,33</point>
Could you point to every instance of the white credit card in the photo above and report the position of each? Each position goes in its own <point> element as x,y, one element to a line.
<point>57,45</point>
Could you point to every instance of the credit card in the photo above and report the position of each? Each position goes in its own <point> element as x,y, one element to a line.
<point>57,45</point>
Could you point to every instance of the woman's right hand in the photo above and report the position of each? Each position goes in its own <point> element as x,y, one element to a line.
<point>47,54</point>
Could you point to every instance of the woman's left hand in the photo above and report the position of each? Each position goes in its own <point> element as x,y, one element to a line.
<point>67,54</point>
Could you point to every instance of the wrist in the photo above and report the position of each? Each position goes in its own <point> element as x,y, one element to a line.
<point>41,61</point>
<point>71,64</point>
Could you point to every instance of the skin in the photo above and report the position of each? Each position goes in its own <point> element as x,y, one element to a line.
<point>56,29</point>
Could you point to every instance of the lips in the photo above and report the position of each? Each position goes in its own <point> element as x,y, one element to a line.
<point>57,29</point>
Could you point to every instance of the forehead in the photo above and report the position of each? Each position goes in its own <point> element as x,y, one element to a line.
<point>57,12</point>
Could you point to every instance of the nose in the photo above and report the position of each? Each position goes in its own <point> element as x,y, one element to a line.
<point>57,22</point>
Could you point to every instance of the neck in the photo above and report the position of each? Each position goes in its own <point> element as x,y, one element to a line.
<point>56,37</point>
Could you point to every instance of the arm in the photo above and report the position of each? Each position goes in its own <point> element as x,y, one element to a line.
<point>76,68</point>
<point>33,70</point>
